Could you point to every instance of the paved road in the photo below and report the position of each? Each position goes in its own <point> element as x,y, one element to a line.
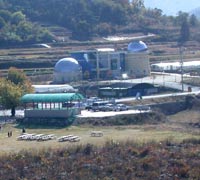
<point>85,113</point>
<point>158,96</point>
<point>7,113</point>
<point>164,79</point>
<point>169,80</point>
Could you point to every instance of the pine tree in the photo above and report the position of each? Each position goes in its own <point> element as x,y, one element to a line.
<point>184,32</point>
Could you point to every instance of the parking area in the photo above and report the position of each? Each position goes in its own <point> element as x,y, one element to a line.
<point>86,113</point>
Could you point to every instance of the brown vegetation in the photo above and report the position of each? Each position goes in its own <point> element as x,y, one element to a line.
<point>128,119</point>
<point>164,160</point>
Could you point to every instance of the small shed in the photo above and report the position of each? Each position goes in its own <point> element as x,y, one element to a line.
<point>55,105</point>
<point>143,88</point>
<point>119,90</point>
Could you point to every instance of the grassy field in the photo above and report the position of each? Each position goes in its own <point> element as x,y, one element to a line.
<point>175,129</point>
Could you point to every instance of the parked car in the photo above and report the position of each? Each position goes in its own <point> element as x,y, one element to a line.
<point>107,107</point>
<point>88,107</point>
<point>89,102</point>
<point>97,106</point>
<point>121,107</point>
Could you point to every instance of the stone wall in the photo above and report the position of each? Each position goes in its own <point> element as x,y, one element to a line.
<point>54,113</point>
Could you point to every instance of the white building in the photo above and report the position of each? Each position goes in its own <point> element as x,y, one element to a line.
<point>137,60</point>
<point>53,88</point>
<point>176,66</point>
<point>67,70</point>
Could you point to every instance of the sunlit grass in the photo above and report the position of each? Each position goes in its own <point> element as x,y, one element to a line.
<point>132,133</point>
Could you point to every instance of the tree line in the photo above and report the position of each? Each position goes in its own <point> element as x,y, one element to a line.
<point>13,87</point>
<point>16,29</point>
<point>84,18</point>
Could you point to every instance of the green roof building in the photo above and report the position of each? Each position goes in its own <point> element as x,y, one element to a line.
<point>55,105</point>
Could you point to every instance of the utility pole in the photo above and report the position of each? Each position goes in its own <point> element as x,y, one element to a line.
<point>97,66</point>
<point>181,63</point>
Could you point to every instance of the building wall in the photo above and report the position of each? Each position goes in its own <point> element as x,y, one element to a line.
<point>57,113</point>
<point>103,64</point>
<point>113,64</point>
<point>137,64</point>
<point>117,92</point>
<point>107,64</point>
<point>65,77</point>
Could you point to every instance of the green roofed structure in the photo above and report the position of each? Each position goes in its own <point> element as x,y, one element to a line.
<point>55,105</point>
<point>54,97</point>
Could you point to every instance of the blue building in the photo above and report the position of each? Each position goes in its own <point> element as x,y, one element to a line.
<point>100,63</point>
<point>104,63</point>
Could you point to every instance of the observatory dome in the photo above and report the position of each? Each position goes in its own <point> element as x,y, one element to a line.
<point>137,46</point>
<point>67,65</point>
<point>67,70</point>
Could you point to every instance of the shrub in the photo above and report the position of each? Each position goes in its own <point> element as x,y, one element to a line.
<point>114,161</point>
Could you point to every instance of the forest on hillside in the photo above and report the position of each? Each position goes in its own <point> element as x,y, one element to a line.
<point>21,21</point>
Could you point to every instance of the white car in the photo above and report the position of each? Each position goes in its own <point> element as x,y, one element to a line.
<point>121,107</point>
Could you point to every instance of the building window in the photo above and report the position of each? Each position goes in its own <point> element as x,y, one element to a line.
<point>113,64</point>
<point>92,59</point>
<point>103,61</point>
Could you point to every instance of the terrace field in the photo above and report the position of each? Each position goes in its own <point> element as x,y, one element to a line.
<point>41,61</point>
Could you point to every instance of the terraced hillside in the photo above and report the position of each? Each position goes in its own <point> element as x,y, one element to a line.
<point>34,59</point>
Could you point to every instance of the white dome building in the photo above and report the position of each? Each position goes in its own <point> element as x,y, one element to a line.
<point>137,46</point>
<point>67,70</point>
<point>137,59</point>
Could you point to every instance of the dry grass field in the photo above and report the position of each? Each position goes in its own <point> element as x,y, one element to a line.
<point>177,128</point>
